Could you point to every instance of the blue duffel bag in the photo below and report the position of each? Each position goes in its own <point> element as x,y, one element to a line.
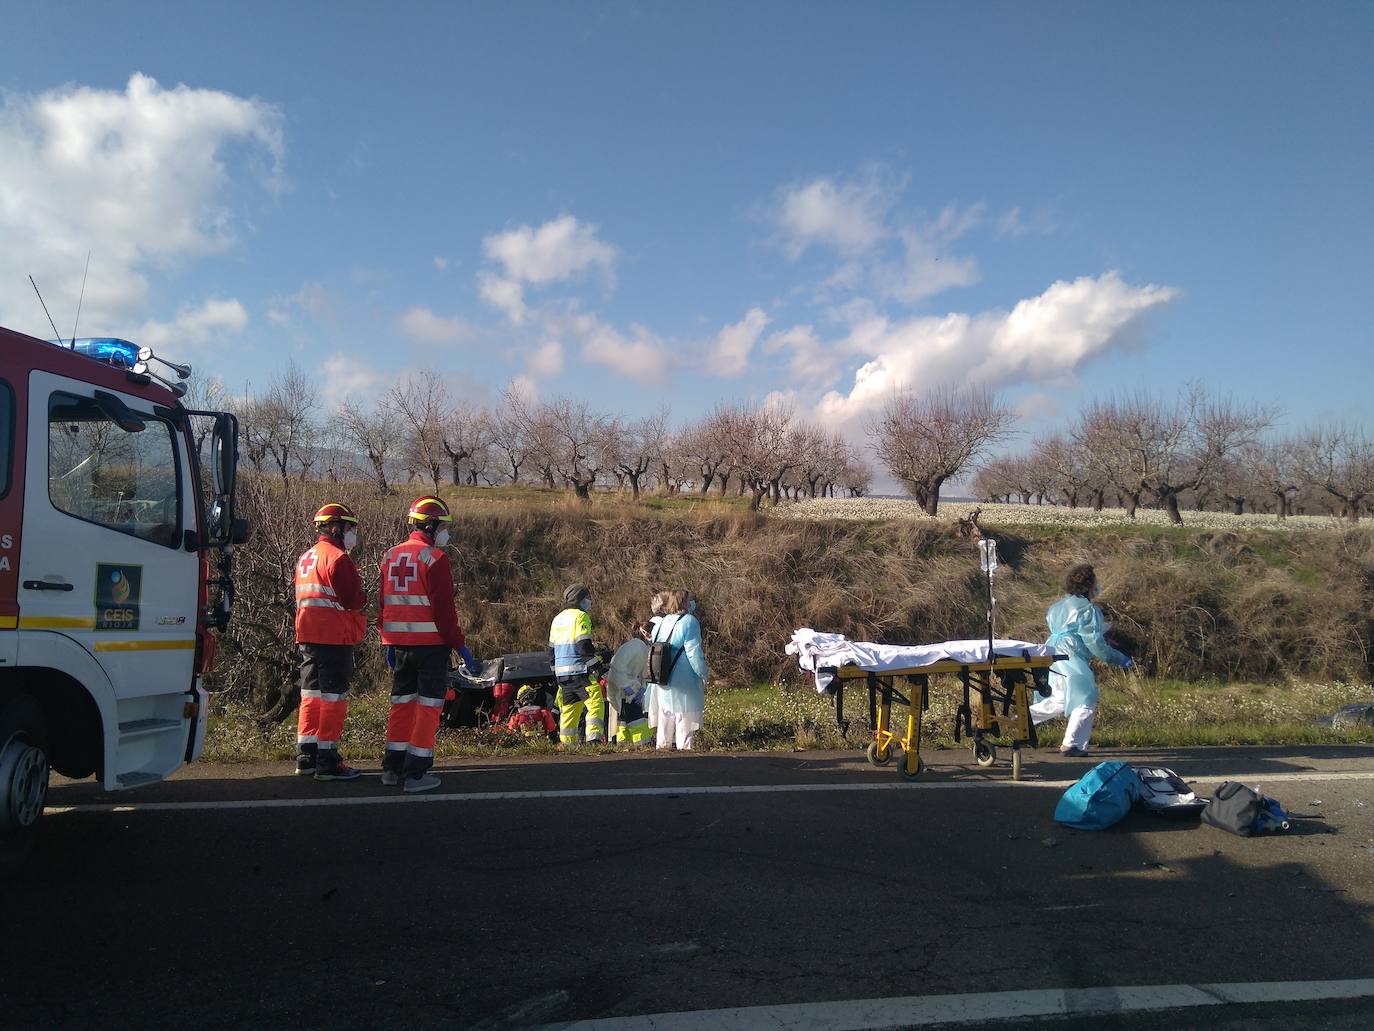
<point>1101,797</point>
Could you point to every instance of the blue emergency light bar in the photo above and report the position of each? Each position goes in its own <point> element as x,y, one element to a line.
<point>111,350</point>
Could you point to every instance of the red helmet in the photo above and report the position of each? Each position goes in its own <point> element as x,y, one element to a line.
<point>427,510</point>
<point>335,511</point>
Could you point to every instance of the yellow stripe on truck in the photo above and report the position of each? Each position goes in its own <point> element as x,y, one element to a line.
<point>8,622</point>
<point>56,622</point>
<point>144,646</point>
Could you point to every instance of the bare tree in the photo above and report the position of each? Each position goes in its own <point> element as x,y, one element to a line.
<point>996,479</point>
<point>759,443</point>
<point>1270,470</point>
<point>924,441</point>
<point>856,477</point>
<point>1064,465</point>
<point>466,438</point>
<point>420,405</point>
<point>372,431</point>
<point>640,446</point>
<point>705,446</point>
<point>576,442</point>
<point>1102,431</point>
<point>1144,444</point>
<point>279,425</point>
<point>509,437</point>
<point>1340,461</point>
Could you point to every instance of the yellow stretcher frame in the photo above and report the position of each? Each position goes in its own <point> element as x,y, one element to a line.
<point>1006,681</point>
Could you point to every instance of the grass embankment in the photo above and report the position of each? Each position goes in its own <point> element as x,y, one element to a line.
<point>1264,613</point>
<point>1135,713</point>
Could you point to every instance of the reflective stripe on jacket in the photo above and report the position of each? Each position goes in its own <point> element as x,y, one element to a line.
<point>417,596</point>
<point>329,599</point>
<point>571,628</point>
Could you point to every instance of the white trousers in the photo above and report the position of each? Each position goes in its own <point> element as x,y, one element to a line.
<point>676,729</point>
<point>1080,728</point>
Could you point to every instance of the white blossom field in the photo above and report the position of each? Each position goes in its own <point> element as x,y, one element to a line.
<point>871,509</point>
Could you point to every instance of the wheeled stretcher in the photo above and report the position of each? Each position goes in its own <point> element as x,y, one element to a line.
<point>996,687</point>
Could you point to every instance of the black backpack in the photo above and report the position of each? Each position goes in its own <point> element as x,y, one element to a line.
<point>661,657</point>
<point>1240,810</point>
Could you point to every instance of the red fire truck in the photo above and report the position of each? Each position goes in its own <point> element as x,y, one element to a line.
<point>115,569</point>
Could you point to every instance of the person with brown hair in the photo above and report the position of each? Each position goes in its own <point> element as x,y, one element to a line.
<point>1076,629</point>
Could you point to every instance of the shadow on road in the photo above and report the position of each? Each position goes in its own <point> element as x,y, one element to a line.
<point>445,915</point>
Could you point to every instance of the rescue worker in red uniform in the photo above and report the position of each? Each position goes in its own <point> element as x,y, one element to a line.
<point>531,718</point>
<point>420,627</point>
<point>330,620</point>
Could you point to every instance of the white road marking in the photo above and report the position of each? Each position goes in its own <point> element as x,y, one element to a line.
<point>717,789</point>
<point>920,1010</point>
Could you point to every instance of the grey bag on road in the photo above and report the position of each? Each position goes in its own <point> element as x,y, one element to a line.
<point>1238,809</point>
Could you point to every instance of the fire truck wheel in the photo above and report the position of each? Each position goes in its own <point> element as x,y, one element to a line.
<point>23,778</point>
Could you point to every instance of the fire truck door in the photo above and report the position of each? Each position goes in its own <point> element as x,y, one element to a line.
<point>107,498</point>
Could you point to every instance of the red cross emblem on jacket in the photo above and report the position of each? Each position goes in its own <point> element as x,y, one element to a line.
<point>402,571</point>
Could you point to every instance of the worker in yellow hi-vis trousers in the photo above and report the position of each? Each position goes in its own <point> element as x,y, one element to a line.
<point>577,666</point>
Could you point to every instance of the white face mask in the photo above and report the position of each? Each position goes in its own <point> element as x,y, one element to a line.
<point>691,606</point>
<point>350,540</point>
<point>1097,590</point>
<point>441,538</point>
<point>586,604</point>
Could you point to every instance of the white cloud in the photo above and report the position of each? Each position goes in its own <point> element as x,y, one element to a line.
<point>504,294</point>
<point>892,257</point>
<point>139,177</point>
<point>639,355</point>
<point>525,388</point>
<point>346,376</point>
<point>1015,223</point>
<point>846,214</point>
<point>440,262</point>
<point>423,325</point>
<point>730,355</point>
<point>193,327</point>
<point>812,363</point>
<point>1042,339</point>
<point>1040,406</point>
<point>561,249</point>
<point>313,298</point>
<point>925,269</point>
<point>547,360</point>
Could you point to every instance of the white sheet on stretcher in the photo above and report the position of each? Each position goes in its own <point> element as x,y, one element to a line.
<point>822,654</point>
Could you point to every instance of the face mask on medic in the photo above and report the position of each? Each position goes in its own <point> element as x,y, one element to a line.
<point>441,538</point>
<point>586,603</point>
<point>350,540</point>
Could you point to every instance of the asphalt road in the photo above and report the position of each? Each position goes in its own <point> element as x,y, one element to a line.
<point>242,897</point>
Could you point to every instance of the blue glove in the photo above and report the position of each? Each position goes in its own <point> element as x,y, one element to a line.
<point>391,658</point>
<point>1128,663</point>
<point>469,663</point>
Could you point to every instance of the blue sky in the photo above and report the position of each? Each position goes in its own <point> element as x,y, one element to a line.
<point>635,203</point>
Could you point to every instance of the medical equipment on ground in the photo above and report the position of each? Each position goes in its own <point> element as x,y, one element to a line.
<point>996,685</point>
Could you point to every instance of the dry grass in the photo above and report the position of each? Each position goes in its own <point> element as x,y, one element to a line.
<point>1134,712</point>
<point>1191,605</point>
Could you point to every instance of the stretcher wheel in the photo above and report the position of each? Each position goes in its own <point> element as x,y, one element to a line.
<point>984,754</point>
<point>1016,764</point>
<point>920,769</point>
<point>879,758</point>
